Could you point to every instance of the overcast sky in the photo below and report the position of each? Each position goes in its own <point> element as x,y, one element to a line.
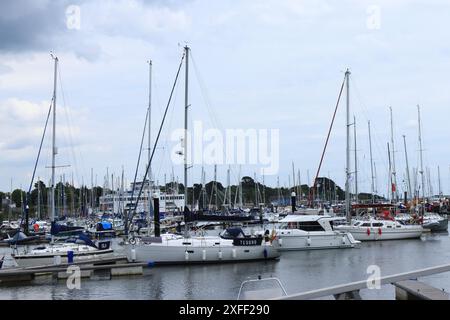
<point>256,64</point>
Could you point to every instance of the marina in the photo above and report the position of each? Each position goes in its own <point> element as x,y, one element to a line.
<point>298,271</point>
<point>258,153</point>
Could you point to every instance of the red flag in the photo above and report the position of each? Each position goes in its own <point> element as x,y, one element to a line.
<point>393,187</point>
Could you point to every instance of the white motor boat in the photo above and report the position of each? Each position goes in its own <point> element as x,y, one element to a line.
<point>374,229</point>
<point>58,253</point>
<point>307,232</point>
<point>231,246</point>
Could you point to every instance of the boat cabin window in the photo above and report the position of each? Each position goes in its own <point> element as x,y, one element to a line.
<point>303,225</point>
<point>377,224</point>
<point>366,224</point>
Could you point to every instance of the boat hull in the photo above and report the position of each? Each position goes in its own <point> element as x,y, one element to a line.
<point>167,254</point>
<point>316,242</point>
<point>374,234</point>
<point>25,261</point>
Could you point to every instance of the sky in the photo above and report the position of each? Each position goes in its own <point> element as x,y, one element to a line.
<point>259,65</point>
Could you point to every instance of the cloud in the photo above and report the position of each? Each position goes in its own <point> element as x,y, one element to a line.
<point>30,25</point>
<point>22,125</point>
<point>46,25</point>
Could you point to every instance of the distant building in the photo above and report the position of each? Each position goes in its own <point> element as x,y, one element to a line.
<point>120,202</point>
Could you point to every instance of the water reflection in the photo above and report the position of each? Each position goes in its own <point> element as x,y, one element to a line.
<point>298,271</point>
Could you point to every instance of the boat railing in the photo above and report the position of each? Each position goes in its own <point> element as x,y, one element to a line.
<point>257,289</point>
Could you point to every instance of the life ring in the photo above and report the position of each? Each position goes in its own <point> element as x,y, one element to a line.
<point>368,231</point>
<point>379,231</point>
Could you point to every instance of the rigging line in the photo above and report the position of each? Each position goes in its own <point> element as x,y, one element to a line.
<point>139,157</point>
<point>25,204</point>
<point>39,153</point>
<point>367,116</point>
<point>214,119</point>
<point>157,137</point>
<point>326,141</point>
<point>69,124</point>
<point>167,129</point>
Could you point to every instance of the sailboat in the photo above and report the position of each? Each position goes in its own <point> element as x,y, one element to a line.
<point>232,245</point>
<point>80,248</point>
<point>371,228</point>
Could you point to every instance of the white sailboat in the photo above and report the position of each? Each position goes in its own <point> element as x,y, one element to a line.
<point>231,246</point>
<point>59,252</point>
<point>375,229</point>
<point>371,228</point>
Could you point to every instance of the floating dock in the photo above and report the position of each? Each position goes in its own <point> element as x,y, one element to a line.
<point>99,269</point>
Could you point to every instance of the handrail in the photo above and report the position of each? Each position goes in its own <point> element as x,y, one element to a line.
<point>358,285</point>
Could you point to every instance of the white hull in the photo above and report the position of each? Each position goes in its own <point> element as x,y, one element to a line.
<point>58,253</point>
<point>328,240</point>
<point>199,251</point>
<point>362,234</point>
<point>50,260</point>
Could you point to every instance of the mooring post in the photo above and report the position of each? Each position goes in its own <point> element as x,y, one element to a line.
<point>156,215</point>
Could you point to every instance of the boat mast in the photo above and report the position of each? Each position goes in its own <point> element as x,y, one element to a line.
<point>39,199</point>
<point>394,173</point>
<point>54,150</point>
<point>240,189</point>
<point>347,169</point>
<point>264,188</point>
<point>186,106</point>
<point>390,189</point>
<point>293,177</point>
<point>149,117</point>
<point>356,161</point>
<point>372,186</point>
<point>439,184</point>
<point>10,201</point>
<point>421,162</point>
<point>407,168</point>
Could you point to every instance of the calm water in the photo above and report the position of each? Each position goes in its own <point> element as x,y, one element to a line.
<point>298,271</point>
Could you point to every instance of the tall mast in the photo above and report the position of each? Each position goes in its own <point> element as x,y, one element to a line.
<point>186,106</point>
<point>293,176</point>
<point>347,169</point>
<point>215,188</point>
<point>390,175</point>
<point>54,150</point>
<point>299,186</point>
<point>407,169</point>
<point>73,198</point>
<point>372,185</point>
<point>149,117</point>
<point>64,195</point>
<point>421,161</point>
<point>439,184</point>
<point>240,188</point>
<point>264,188</point>
<point>203,189</point>
<point>228,195</point>
<point>394,173</point>
<point>10,201</point>
<point>356,161</point>
<point>278,191</point>
<point>39,200</point>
